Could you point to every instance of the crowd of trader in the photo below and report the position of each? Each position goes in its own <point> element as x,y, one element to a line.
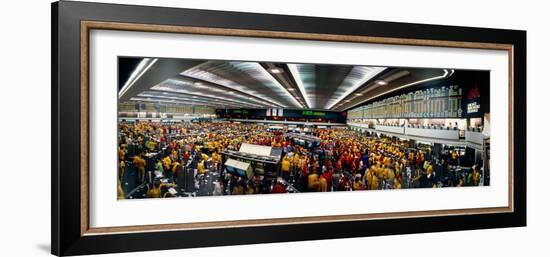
<point>343,160</point>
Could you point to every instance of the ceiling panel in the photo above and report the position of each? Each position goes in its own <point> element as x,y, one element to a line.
<point>197,88</point>
<point>245,77</point>
<point>190,98</point>
<point>234,84</point>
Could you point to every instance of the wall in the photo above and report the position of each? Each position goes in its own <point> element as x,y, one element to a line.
<point>25,219</point>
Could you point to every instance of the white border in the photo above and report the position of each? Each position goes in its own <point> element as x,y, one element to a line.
<point>106,211</point>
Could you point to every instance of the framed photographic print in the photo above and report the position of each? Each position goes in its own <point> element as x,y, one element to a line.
<point>178,128</point>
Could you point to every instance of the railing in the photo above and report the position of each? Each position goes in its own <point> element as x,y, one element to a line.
<point>415,130</point>
<point>391,129</point>
<point>433,132</point>
<point>474,136</point>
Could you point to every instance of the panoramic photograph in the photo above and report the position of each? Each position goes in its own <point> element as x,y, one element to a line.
<point>194,128</point>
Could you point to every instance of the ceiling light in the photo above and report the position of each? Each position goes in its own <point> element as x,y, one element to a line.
<point>142,67</point>
<point>198,83</point>
<point>358,94</point>
<point>299,82</point>
<point>290,89</point>
<point>175,86</point>
<point>256,71</point>
<point>275,70</point>
<point>381,82</point>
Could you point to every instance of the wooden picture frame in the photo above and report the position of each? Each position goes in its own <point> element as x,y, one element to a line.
<point>71,24</point>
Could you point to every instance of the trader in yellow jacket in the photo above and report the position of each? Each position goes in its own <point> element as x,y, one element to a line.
<point>175,166</point>
<point>296,161</point>
<point>140,164</point>
<point>217,159</point>
<point>372,179</point>
<point>313,182</point>
<point>120,192</point>
<point>285,167</point>
<point>201,167</point>
<point>121,163</point>
<point>156,190</point>
<point>476,176</point>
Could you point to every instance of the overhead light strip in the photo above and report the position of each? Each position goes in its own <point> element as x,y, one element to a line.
<point>142,67</point>
<point>296,74</point>
<point>166,89</point>
<point>265,75</point>
<point>189,98</point>
<point>193,102</point>
<point>169,83</point>
<point>152,98</point>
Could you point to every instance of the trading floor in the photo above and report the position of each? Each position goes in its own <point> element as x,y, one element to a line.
<point>190,159</point>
